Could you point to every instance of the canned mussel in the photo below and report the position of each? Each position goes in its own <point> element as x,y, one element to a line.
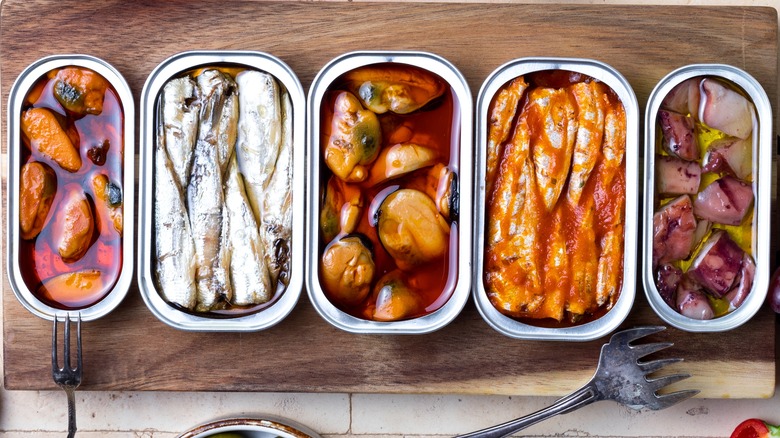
<point>223,135</point>
<point>390,140</point>
<point>70,127</point>
<point>708,158</point>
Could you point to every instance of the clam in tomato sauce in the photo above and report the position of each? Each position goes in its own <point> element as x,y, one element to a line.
<point>70,195</point>
<point>388,215</point>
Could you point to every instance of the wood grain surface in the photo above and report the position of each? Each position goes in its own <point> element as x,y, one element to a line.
<point>130,349</point>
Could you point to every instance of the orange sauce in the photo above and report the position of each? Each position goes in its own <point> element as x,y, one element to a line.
<point>436,125</point>
<point>39,259</point>
<point>564,219</point>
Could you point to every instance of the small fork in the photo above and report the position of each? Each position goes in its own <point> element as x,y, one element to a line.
<point>620,376</point>
<point>67,377</point>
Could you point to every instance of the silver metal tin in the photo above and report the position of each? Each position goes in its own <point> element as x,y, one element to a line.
<point>457,82</point>
<point>168,69</point>
<point>762,179</point>
<point>15,101</point>
<point>612,319</point>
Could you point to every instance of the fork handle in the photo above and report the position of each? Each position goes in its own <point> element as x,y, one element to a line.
<point>71,412</point>
<point>579,398</point>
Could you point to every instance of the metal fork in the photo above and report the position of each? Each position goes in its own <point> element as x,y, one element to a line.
<point>620,376</point>
<point>67,377</point>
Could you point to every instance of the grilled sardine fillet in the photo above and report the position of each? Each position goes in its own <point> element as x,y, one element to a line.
<point>611,183</point>
<point>205,198</point>
<point>174,249</point>
<point>508,197</point>
<point>590,131</point>
<point>552,118</point>
<point>259,133</point>
<point>513,273</point>
<point>180,109</point>
<point>249,275</point>
<point>556,270</point>
<point>584,257</point>
<point>501,116</point>
<point>276,213</point>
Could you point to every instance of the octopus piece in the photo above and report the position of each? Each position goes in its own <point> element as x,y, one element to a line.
<point>347,270</point>
<point>743,284</point>
<point>674,227</point>
<point>725,201</point>
<point>38,185</point>
<point>684,98</point>
<point>394,299</point>
<point>676,177</point>
<point>718,264</point>
<point>398,89</point>
<point>731,156</point>
<point>667,279</point>
<point>80,91</point>
<point>692,301</point>
<point>411,229</point>
<point>354,140</point>
<point>679,138</point>
<point>725,109</point>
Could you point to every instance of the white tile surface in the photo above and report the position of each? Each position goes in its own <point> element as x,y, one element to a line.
<point>42,414</point>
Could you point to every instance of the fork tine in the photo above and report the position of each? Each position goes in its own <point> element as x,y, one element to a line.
<point>78,345</point>
<point>642,350</point>
<point>54,364</point>
<point>655,365</point>
<point>664,381</point>
<point>664,401</point>
<point>66,341</point>
<point>630,335</point>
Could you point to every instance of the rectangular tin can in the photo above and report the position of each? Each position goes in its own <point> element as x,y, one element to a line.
<point>603,324</point>
<point>761,174</point>
<point>460,162</point>
<point>16,103</point>
<point>175,66</point>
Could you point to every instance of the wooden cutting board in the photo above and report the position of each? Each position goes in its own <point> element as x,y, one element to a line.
<point>130,349</point>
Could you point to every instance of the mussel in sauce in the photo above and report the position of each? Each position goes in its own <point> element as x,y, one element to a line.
<point>393,184</point>
<point>70,197</point>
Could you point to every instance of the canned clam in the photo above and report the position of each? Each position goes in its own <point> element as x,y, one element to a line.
<point>708,171</point>
<point>70,187</point>
<point>221,202</point>
<point>390,152</point>
<point>556,205</point>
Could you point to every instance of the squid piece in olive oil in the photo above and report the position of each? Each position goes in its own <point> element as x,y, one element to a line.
<point>389,200</point>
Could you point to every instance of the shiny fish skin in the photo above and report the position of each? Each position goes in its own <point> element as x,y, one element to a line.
<point>504,110</point>
<point>205,198</point>
<point>180,112</point>
<point>174,249</point>
<point>554,112</point>
<point>249,275</point>
<point>259,133</point>
<point>590,131</point>
<point>227,131</point>
<point>276,213</point>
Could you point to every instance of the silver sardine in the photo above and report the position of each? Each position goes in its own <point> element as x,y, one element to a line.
<point>249,274</point>
<point>259,133</point>
<point>276,214</point>
<point>205,200</point>
<point>174,249</point>
<point>180,109</point>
